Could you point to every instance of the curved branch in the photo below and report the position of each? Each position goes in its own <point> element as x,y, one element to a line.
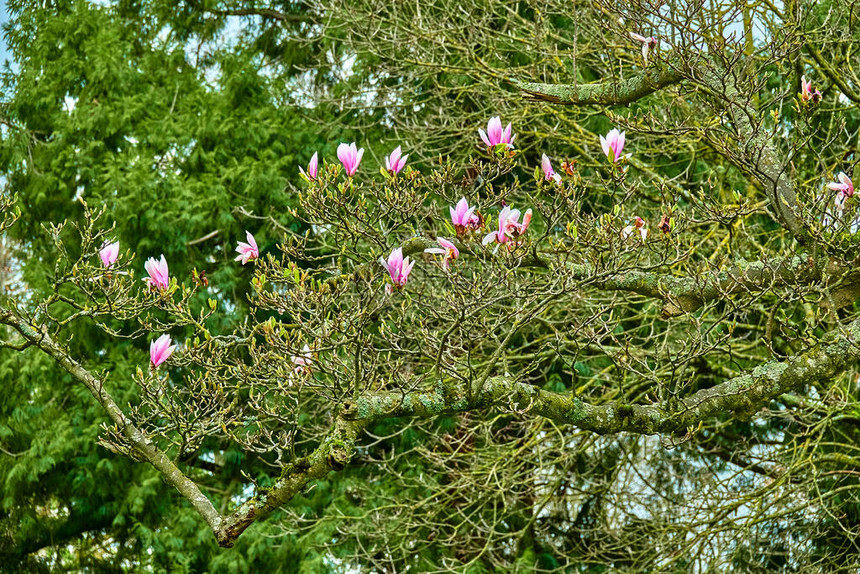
<point>742,395</point>
<point>760,159</point>
<point>142,445</point>
<point>680,295</point>
<point>606,93</point>
<point>686,294</point>
<point>332,455</point>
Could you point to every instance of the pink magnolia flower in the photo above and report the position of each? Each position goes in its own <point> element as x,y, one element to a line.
<point>548,172</point>
<point>845,185</point>
<point>806,93</point>
<point>158,275</point>
<point>613,145</point>
<point>159,350</point>
<point>839,204</point>
<point>509,226</point>
<point>638,224</point>
<point>247,251</point>
<point>648,43</point>
<point>109,253</point>
<point>303,361</point>
<point>398,268</point>
<point>446,249</point>
<point>834,217</point>
<point>349,157</point>
<point>495,135</point>
<point>394,162</point>
<point>464,217</point>
<point>313,168</point>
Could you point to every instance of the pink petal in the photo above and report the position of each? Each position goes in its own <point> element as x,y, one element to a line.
<point>494,130</point>
<point>313,166</point>
<point>605,145</point>
<point>526,220</point>
<point>445,243</point>
<point>384,263</point>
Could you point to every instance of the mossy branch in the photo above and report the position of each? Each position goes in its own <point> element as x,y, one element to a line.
<point>605,93</point>
<point>741,395</point>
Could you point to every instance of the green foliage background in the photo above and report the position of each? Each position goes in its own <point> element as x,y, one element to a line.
<point>174,118</point>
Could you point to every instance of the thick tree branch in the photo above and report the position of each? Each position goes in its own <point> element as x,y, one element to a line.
<point>605,93</point>
<point>686,294</point>
<point>333,454</point>
<point>142,445</point>
<point>759,159</point>
<point>742,395</point>
<point>680,295</point>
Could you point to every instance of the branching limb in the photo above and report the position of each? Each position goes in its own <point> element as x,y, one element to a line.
<point>681,295</point>
<point>142,445</point>
<point>742,395</point>
<point>686,294</point>
<point>605,93</point>
<point>756,154</point>
<point>332,455</point>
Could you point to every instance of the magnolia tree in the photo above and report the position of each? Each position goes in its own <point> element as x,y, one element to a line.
<point>585,352</point>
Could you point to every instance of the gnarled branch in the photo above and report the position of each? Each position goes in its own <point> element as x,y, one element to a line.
<point>743,395</point>
<point>606,93</point>
<point>141,444</point>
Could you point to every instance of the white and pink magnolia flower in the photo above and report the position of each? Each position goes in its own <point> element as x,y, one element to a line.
<point>398,268</point>
<point>394,163</point>
<point>159,278</point>
<point>839,202</point>
<point>159,350</point>
<point>464,217</point>
<point>833,216</point>
<point>495,135</point>
<point>845,186</point>
<point>349,157</point>
<point>638,224</point>
<point>446,249</point>
<point>806,93</point>
<point>313,168</point>
<point>548,172</point>
<point>509,226</point>
<point>613,145</point>
<point>303,361</point>
<point>109,253</point>
<point>648,44</point>
<point>247,251</point>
